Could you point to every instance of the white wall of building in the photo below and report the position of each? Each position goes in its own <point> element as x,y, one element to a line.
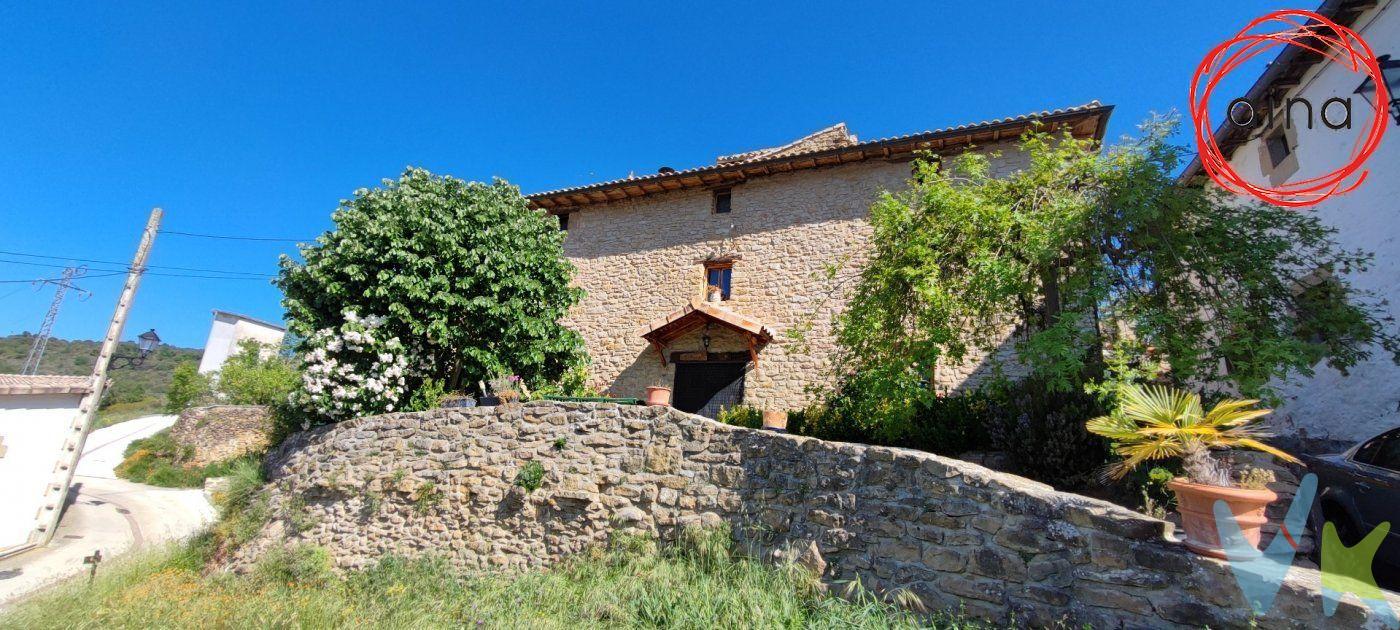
<point>1329,406</point>
<point>227,331</point>
<point>33,427</point>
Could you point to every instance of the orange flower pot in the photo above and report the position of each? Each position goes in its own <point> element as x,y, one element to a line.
<point>1196,503</point>
<point>658,396</point>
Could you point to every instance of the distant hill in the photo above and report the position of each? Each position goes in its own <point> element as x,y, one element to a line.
<point>137,390</point>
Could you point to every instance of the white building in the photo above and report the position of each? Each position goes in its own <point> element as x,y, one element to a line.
<point>37,416</point>
<point>231,328</point>
<point>1329,410</point>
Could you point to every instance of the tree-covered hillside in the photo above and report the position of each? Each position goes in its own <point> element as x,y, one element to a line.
<point>133,392</point>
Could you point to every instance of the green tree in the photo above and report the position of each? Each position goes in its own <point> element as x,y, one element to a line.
<point>467,275</point>
<point>257,375</point>
<point>187,387</point>
<point>1086,251</point>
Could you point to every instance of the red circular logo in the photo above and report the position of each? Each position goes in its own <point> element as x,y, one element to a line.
<point>1305,29</point>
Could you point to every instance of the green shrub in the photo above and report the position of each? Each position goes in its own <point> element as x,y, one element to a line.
<point>1043,432</point>
<point>531,476</point>
<point>429,395</point>
<point>1040,429</point>
<point>948,425</point>
<point>741,416</point>
<point>187,388</point>
<point>256,376</point>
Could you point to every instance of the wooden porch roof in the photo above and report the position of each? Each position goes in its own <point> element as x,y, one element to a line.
<point>697,313</point>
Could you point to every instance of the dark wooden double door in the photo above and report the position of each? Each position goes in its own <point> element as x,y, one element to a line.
<point>718,383</point>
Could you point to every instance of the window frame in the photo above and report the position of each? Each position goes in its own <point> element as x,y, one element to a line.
<point>1279,172</point>
<point>728,194</point>
<point>726,271</point>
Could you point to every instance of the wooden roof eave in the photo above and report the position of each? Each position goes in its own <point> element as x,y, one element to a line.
<point>1082,124</point>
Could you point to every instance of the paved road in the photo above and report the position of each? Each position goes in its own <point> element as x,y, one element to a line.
<point>107,513</point>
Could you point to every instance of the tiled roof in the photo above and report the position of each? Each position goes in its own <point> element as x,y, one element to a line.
<point>695,313</point>
<point>44,384</point>
<point>740,166</point>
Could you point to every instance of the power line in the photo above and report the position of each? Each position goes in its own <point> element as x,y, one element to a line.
<point>237,238</point>
<point>112,262</point>
<point>31,280</point>
<point>255,277</point>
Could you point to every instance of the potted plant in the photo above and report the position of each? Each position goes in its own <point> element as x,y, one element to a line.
<point>1153,423</point>
<point>506,388</point>
<point>659,394</point>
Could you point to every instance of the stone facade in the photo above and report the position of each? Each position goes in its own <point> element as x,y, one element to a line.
<point>223,432</point>
<point>952,533</point>
<point>641,259</point>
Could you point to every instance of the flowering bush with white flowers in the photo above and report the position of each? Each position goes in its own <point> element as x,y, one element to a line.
<point>355,369</point>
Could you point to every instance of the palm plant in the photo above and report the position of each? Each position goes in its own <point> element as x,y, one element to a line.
<point>1155,422</point>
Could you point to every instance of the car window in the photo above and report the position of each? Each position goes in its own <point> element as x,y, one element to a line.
<point>1368,451</point>
<point>1388,456</point>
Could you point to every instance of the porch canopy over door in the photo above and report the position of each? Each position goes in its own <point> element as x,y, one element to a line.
<point>698,313</point>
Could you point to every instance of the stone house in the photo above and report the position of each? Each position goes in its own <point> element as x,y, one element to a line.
<point>1330,411</point>
<point>712,280</point>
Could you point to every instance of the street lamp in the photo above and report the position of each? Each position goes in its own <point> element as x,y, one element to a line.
<point>145,343</point>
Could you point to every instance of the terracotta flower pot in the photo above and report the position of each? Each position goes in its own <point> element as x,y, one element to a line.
<point>1196,502</point>
<point>658,396</point>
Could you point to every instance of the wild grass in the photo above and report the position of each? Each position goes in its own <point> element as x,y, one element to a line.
<point>116,413</point>
<point>160,461</point>
<point>697,583</point>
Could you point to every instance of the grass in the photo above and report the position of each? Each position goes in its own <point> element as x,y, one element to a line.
<point>121,412</point>
<point>160,461</point>
<point>696,584</point>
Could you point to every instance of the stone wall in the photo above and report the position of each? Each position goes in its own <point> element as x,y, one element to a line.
<point>950,532</point>
<point>222,432</point>
<point>641,260</point>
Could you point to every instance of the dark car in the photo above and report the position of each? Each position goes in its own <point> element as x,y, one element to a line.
<point>1357,491</point>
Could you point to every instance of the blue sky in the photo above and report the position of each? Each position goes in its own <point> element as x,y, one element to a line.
<point>254,120</point>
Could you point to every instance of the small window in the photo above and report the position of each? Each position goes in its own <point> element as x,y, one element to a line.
<point>722,200</point>
<point>563,222</point>
<point>1277,144</point>
<point>719,275</point>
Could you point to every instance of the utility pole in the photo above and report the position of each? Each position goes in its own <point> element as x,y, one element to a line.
<point>57,492</point>
<point>36,351</point>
